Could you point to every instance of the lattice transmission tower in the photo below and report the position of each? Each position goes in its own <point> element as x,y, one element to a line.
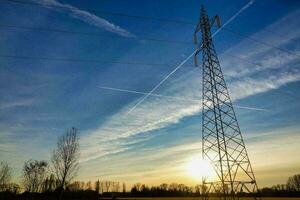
<point>222,142</point>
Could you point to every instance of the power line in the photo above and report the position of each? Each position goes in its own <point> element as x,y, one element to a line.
<point>108,61</point>
<point>260,41</point>
<point>81,60</point>
<point>143,18</point>
<point>103,35</point>
<point>40,29</point>
<point>112,62</point>
<point>139,39</point>
<point>107,13</point>
<point>122,15</point>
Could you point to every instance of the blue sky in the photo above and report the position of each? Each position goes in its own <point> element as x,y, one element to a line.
<point>40,99</point>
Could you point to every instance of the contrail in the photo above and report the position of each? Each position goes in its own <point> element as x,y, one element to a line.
<point>235,15</point>
<point>183,62</point>
<point>251,108</point>
<point>161,82</point>
<point>145,93</point>
<point>172,97</point>
<point>85,16</point>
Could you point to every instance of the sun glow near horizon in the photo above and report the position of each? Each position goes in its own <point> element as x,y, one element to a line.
<point>198,169</point>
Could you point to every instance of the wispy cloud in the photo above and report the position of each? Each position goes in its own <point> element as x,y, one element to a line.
<point>169,161</point>
<point>172,97</point>
<point>86,16</point>
<point>16,103</point>
<point>157,113</point>
<point>264,56</point>
<point>252,86</point>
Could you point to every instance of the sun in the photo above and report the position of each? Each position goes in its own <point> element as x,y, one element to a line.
<point>198,169</point>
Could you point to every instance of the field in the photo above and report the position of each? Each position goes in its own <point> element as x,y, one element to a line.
<point>198,198</point>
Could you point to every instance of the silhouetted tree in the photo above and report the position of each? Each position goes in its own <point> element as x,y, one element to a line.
<point>293,183</point>
<point>198,190</point>
<point>65,157</point>
<point>89,185</point>
<point>50,184</point>
<point>97,186</point>
<point>107,185</point>
<point>124,188</point>
<point>134,191</point>
<point>102,187</point>
<point>75,186</point>
<point>279,187</point>
<point>144,189</point>
<point>5,175</point>
<point>116,187</point>
<point>13,188</point>
<point>81,186</point>
<point>163,186</point>
<point>138,186</point>
<point>34,173</point>
<point>173,187</point>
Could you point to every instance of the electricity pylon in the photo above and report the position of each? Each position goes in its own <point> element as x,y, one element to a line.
<point>222,142</point>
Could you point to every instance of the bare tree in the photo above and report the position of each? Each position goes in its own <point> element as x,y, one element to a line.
<point>101,187</point>
<point>115,186</point>
<point>279,187</point>
<point>5,175</point>
<point>198,189</point>
<point>75,186</point>
<point>173,187</point>
<point>97,186</point>
<point>13,188</point>
<point>293,183</point>
<point>34,174</point>
<point>65,157</point>
<point>89,185</point>
<point>82,185</point>
<point>107,185</point>
<point>138,186</point>
<point>164,186</point>
<point>49,184</point>
<point>124,188</point>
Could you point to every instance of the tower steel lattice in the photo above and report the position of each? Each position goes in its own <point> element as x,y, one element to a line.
<point>222,142</point>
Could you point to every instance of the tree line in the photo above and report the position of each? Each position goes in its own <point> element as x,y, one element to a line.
<point>290,189</point>
<point>41,176</point>
<point>54,179</point>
